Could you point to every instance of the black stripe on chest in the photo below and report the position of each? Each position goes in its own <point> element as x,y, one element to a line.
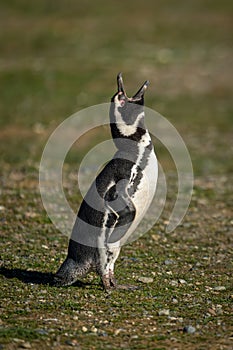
<point>139,169</point>
<point>116,134</point>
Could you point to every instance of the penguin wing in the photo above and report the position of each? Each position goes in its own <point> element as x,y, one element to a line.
<point>121,211</point>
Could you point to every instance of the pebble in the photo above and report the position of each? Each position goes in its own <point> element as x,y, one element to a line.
<point>72,342</point>
<point>219,288</point>
<point>50,319</point>
<point>102,334</point>
<point>164,312</point>
<point>94,329</point>
<point>189,329</point>
<point>172,318</point>
<point>173,339</point>
<point>212,312</point>
<point>16,340</point>
<point>117,331</point>
<point>182,281</point>
<point>169,273</point>
<point>155,237</point>
<point>168,262</point>
<point>174,283</point>
<point>134,336</point>
<point>41,331</point>
<point>175,301</point>
<point>145,279</point>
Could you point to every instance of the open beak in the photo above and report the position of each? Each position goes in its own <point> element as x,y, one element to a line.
<point>141,91</point>
<point>138,96</point>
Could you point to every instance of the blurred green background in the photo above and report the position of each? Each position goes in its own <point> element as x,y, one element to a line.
<point>57,57</point>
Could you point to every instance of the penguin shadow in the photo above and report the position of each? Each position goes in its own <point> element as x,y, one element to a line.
<point>36,277</point>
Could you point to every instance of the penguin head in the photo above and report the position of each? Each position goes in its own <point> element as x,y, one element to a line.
<point>127,113</point>
<point>121,99</point>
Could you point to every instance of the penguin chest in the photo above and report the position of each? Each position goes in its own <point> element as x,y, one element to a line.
<point>145,191</point>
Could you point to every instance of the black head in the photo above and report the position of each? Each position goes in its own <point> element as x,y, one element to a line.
<point>127,113</point>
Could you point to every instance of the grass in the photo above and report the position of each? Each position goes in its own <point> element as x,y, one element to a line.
<point>57,58</point>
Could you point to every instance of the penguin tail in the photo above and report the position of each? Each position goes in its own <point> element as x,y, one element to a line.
<point>67,273</point>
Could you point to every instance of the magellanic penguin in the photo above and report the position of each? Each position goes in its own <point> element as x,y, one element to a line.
<point>117,199</point>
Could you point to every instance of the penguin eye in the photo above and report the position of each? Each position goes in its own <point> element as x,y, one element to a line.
<point>121,99</point>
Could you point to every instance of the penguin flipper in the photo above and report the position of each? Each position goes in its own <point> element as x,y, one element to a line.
<point>122,212</point>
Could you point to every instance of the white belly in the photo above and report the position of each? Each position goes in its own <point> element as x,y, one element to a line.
<point>143,197</point>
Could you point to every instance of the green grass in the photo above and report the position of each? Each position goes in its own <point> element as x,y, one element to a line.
<point>60,57</point>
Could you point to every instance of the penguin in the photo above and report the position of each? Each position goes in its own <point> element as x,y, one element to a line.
<point>118,198</point>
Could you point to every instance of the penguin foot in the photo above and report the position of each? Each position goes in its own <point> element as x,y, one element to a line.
<point>109,282</point>
<point>67,274</point>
